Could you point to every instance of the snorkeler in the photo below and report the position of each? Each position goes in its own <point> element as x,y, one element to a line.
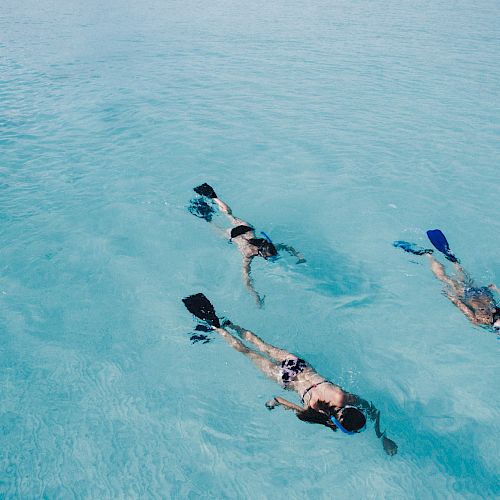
<point>324,402</point>
<point>242,234</point>
<point>477,303</point>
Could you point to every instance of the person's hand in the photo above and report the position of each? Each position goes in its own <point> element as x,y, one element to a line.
<point>390,447</point>
<point>271,404</point>
<point>301,261</point>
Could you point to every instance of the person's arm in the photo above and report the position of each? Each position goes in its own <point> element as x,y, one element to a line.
<point>278,401</point>
<point>493,287</point>
<point>291,251</point>
<point>390,447</point>
<point>247,280</point>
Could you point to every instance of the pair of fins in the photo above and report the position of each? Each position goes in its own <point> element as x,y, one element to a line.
<point>437,238</point>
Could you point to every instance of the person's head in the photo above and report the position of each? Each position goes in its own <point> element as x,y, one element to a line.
<point>264,248</point>
<point>484,311</point>
<point>348,418</point>
<point>267,250</point>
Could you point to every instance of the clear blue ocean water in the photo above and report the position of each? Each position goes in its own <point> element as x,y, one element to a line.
<point>336,127</point>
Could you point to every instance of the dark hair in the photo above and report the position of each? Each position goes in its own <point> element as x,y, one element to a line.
<point>353,419</point>
<point>314,417</point>
<point>265,248</point>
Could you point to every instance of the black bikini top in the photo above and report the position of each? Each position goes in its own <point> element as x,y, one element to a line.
<point>239,230</point>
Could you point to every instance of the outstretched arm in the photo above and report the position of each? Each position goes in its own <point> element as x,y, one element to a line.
<point>493,287</point>
<point>278,401</point>
<point>390,447</point>
<point>291,251</point>
<point>247,280</point>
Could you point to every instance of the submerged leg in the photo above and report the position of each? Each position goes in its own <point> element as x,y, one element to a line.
<point>439,272</point>
<point>225,208</point>
<point>267,367</point>
<point>272,351</point>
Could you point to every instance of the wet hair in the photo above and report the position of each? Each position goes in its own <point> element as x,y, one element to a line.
<point>353,419</point>
<point>314,417</point>
<point>266,249</point>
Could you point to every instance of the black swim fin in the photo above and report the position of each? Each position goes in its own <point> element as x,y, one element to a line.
<point>205,190</point>
<point>201,307</point>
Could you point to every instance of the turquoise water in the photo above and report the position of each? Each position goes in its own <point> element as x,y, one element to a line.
<point>336,127</point>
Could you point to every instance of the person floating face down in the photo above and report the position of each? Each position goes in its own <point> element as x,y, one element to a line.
<point>476,303</point>
<point>242,234</point>
<point>324,402</point>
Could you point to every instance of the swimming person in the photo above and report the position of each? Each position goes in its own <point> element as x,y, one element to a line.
<point>323,401</point>
<point>477,303</point>
<point>242,234</point>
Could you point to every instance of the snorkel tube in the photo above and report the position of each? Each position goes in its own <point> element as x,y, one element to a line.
<point>267,250</point>
<point>340,426</point>
<point>266,236</point>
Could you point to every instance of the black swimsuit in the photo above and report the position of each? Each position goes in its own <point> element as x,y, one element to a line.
<point>239,230</point>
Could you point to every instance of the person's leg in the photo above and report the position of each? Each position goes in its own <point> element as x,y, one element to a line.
<point>267,367</point>
<point>438,270</point>
<point>272,351</point>
<point>225,208</point>
<point>463,276</point>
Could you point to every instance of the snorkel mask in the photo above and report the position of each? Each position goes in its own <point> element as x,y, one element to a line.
<point>267,250</point>
<point>342,428</point>
<point>265,247</point>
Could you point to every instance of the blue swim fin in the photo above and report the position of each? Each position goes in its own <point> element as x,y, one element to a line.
<point>412,248</point>
<point>438,239</point>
